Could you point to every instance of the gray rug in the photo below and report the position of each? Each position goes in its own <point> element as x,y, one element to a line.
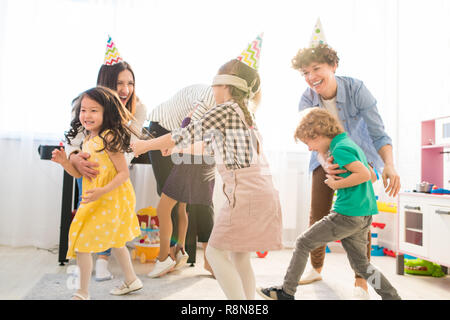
<point>200,287</point>
<point>56,287</point>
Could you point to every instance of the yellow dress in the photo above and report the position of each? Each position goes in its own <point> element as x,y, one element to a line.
<point>110,221</point>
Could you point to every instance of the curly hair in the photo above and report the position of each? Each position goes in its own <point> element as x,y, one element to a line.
<point>114,130</point>
<point>320,54</point>
<point>237,68</point>
<point>317,122</point>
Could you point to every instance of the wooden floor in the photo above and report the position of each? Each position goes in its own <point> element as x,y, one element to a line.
<point>22,268</point>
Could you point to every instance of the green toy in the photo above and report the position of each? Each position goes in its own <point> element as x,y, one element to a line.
<point>423,267</point>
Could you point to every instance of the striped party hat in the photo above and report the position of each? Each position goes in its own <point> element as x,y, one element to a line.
<point>250,56</point>
<point>318,36</point>
<point>112,55</point>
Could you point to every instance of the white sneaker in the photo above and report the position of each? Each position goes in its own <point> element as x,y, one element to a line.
<point>162,267</point>
<point>125,289</point>
<point>101,270</point>
<point>181,259</point>
<point>360,294</point>
<point>310,277</point>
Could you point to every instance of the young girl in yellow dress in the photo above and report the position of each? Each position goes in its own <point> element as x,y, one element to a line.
<point>106,217</point>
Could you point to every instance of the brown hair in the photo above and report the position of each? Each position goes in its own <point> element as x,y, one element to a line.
<point>317,122</point>
<point>115,120</point>
<point>237,68</point>
<point>320,54</point>
<point>108,76</point>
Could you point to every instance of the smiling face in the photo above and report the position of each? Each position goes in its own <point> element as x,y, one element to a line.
<point>125,85</point>
<point>91,115</point>
<point>320,77</point>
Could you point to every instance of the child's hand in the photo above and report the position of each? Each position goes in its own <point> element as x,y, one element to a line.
<point>331,181</point>
<point>166,152</point>
<point>92,195</point>
<point>138,147</point>
<point>59,155</point>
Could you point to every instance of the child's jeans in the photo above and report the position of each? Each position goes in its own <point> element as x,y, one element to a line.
<point>352,231</point>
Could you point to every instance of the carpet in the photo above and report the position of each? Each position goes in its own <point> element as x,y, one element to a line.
<point>189,283</point>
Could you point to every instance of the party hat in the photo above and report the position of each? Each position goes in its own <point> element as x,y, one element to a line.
<point>318,36</point>
<point>250,56</point>
<point>112,55</point>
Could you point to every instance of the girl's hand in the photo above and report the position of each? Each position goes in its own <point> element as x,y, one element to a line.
<point>138,147</point>
<point>331,181</point>
<point>59,156</point>
<point>92,195</point>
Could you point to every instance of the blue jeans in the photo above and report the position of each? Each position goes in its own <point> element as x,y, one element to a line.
<point>80,188</point>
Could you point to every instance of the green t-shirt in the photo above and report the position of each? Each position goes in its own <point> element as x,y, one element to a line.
<point>358,200</point>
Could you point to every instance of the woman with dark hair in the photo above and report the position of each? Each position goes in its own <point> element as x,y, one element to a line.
<point>117,75</point>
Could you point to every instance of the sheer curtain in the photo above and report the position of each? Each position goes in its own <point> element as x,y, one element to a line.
<point>51,50</point>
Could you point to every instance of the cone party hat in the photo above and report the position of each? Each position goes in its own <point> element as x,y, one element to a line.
<point>250,56</point>
<point>112,55</point>
<point>318,36</point>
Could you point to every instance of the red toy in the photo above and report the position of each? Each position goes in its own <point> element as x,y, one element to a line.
<point>389,252</point>
<point>262,254</point>
<point>378,225</point>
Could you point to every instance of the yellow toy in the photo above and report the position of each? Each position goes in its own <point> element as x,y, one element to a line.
<point>147,245</point>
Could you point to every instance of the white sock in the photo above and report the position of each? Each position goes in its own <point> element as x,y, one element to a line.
<point>101,269</point>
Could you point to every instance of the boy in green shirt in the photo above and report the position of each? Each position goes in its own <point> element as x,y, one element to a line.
<point>351,217</point>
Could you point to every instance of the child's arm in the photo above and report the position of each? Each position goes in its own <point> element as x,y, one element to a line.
<point>120,163</point>
<point>59,156</point>
<point>359,174</point>
<point>160,143</point>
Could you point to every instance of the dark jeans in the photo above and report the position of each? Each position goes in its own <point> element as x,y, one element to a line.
<point>201,222</point>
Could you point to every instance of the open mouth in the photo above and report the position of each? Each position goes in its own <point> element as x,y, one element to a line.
<point>88,123</point>
<point>317,83</point>
<point>123,99</point>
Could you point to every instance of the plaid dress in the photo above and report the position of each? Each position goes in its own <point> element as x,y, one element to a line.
<point>221,129</point>
<point>250,219</point>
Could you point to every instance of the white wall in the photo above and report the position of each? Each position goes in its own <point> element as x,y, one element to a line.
<point>423,78</point>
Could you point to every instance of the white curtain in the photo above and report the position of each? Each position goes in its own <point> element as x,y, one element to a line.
<point>51,50</point>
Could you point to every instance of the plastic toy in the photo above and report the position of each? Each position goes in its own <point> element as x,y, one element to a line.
<point>389,252</point>
<point>376,249</point>
<point>147,245</point>
<point>440,191</point>
<point>423,267</point>
<point>148,214</point>
<point>387,207</point>
<point>262,254</point>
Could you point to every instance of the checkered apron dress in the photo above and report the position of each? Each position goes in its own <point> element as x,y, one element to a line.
<point>250,219</point>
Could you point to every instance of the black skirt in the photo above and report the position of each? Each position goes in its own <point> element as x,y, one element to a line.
<point>191,183</point>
